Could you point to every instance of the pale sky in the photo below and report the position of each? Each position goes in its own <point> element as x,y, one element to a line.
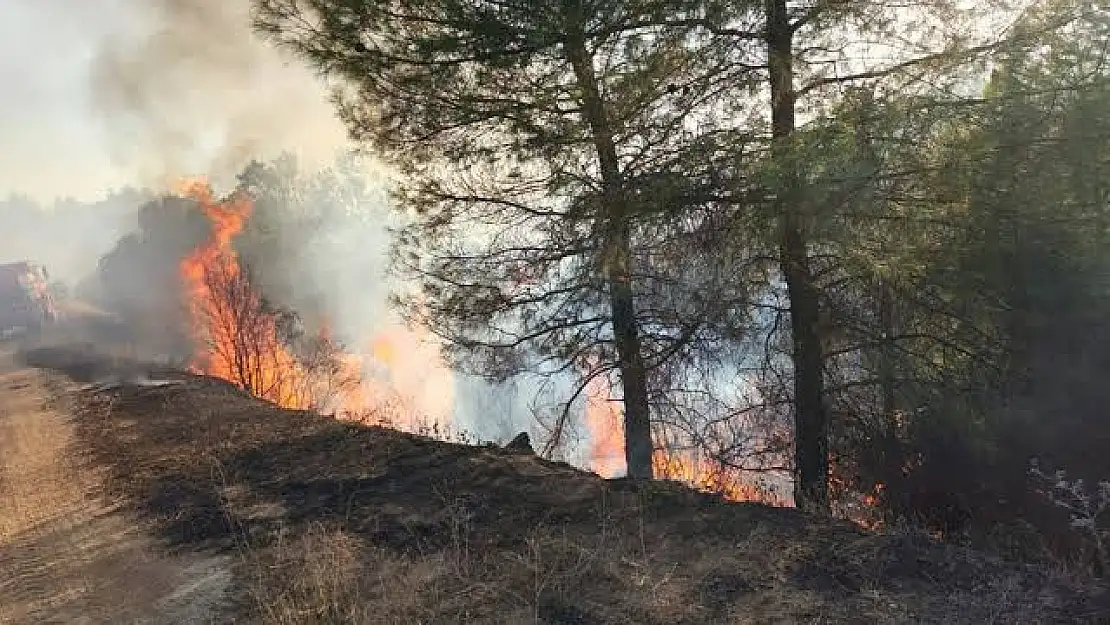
<point>104,93</point>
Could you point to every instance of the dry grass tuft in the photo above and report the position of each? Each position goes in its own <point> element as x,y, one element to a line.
<point>311,578</point>
<point>328,575</point>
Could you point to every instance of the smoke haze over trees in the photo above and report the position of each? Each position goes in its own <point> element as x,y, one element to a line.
<point>860,247</point>
<point>888,249</point>
<point>67,235</point>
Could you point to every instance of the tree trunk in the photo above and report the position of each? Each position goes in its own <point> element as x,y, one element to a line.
<point>811,425</point>
<point>888,380</point>
<point>618,266</point>
<point>891,456</point>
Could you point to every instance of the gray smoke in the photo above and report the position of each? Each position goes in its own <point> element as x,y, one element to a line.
<point>108,93</point>
<point>185,86</point>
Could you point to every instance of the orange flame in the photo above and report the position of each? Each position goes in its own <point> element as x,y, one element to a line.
<point>604,424</point>
<point>235,338</point>
<point>238,339</point>
<point>416,373</point>
<point>215,255</point>
<point>606,433</point>
<point>693,469</point>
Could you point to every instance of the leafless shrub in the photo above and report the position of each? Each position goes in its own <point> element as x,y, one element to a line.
<point>1087,506</point>
<point>262,348</point>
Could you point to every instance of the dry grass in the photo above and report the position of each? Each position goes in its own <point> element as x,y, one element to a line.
<point>326,574</point>
<point>338,523</point>
<point>329,575</point>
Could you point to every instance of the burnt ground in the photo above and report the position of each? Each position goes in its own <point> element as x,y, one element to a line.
<point>333,522</point>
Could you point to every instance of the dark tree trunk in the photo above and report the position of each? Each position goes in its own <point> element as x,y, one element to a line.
<point>811,424</point>
<point>889,441</point>
<point>637,422</point>
<point>888,380</point>
<point>618,266</point>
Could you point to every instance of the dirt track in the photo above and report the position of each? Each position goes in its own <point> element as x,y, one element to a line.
<point>67,553</point>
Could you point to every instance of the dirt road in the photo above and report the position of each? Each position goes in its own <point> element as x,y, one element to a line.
<point>67,553</point>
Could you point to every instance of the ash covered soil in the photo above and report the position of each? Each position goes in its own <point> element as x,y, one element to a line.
<point>324,521</point>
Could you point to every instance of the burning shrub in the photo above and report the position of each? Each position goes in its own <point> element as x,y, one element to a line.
<point>262,348</point>
<point>242,337</point>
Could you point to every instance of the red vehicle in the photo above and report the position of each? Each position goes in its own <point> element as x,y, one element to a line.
<point>25,299</point>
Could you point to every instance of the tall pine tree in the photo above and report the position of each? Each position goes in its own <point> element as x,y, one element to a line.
<point>542,147</point>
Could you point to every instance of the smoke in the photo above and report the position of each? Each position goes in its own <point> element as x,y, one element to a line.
<point>113,93</point>
<point>185,86</point>
<point>103,95</point>
<point>319,242</point>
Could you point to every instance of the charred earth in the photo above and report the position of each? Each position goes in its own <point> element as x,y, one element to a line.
<point>331,521</point>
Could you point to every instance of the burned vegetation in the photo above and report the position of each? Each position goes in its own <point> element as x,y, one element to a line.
<point>341,522</point>
<point>809,329</point>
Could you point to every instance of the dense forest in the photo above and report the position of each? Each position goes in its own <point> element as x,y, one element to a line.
<point>862,242</point>
<point>862,245</point>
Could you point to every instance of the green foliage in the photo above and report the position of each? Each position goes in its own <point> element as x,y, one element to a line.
<point>483,111</point>
<point>953,231</point>
<point>1011,292</point>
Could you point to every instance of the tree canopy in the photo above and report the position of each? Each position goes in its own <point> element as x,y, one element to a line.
<point>852,222</point>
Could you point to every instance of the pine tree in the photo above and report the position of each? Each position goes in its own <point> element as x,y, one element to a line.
<point>543,147</point>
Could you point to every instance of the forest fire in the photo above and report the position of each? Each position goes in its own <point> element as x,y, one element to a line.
<point>234,337</point>
<point>401,380</point>
<point>605,428</point>
<point>238,336</point>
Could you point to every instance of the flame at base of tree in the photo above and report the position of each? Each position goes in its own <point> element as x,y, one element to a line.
<point>693,468</point>
<point>862,507</point>
<point>239,337</point>
<point>604,424</point>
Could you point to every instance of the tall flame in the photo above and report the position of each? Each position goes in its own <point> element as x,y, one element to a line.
<point>401,379</point>
<point>236,339</point>
<point>214,256</point>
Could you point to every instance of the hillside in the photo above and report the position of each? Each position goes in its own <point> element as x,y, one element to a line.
<point>331,522</point>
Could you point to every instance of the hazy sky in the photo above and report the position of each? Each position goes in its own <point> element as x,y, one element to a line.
<point>104,93</point>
